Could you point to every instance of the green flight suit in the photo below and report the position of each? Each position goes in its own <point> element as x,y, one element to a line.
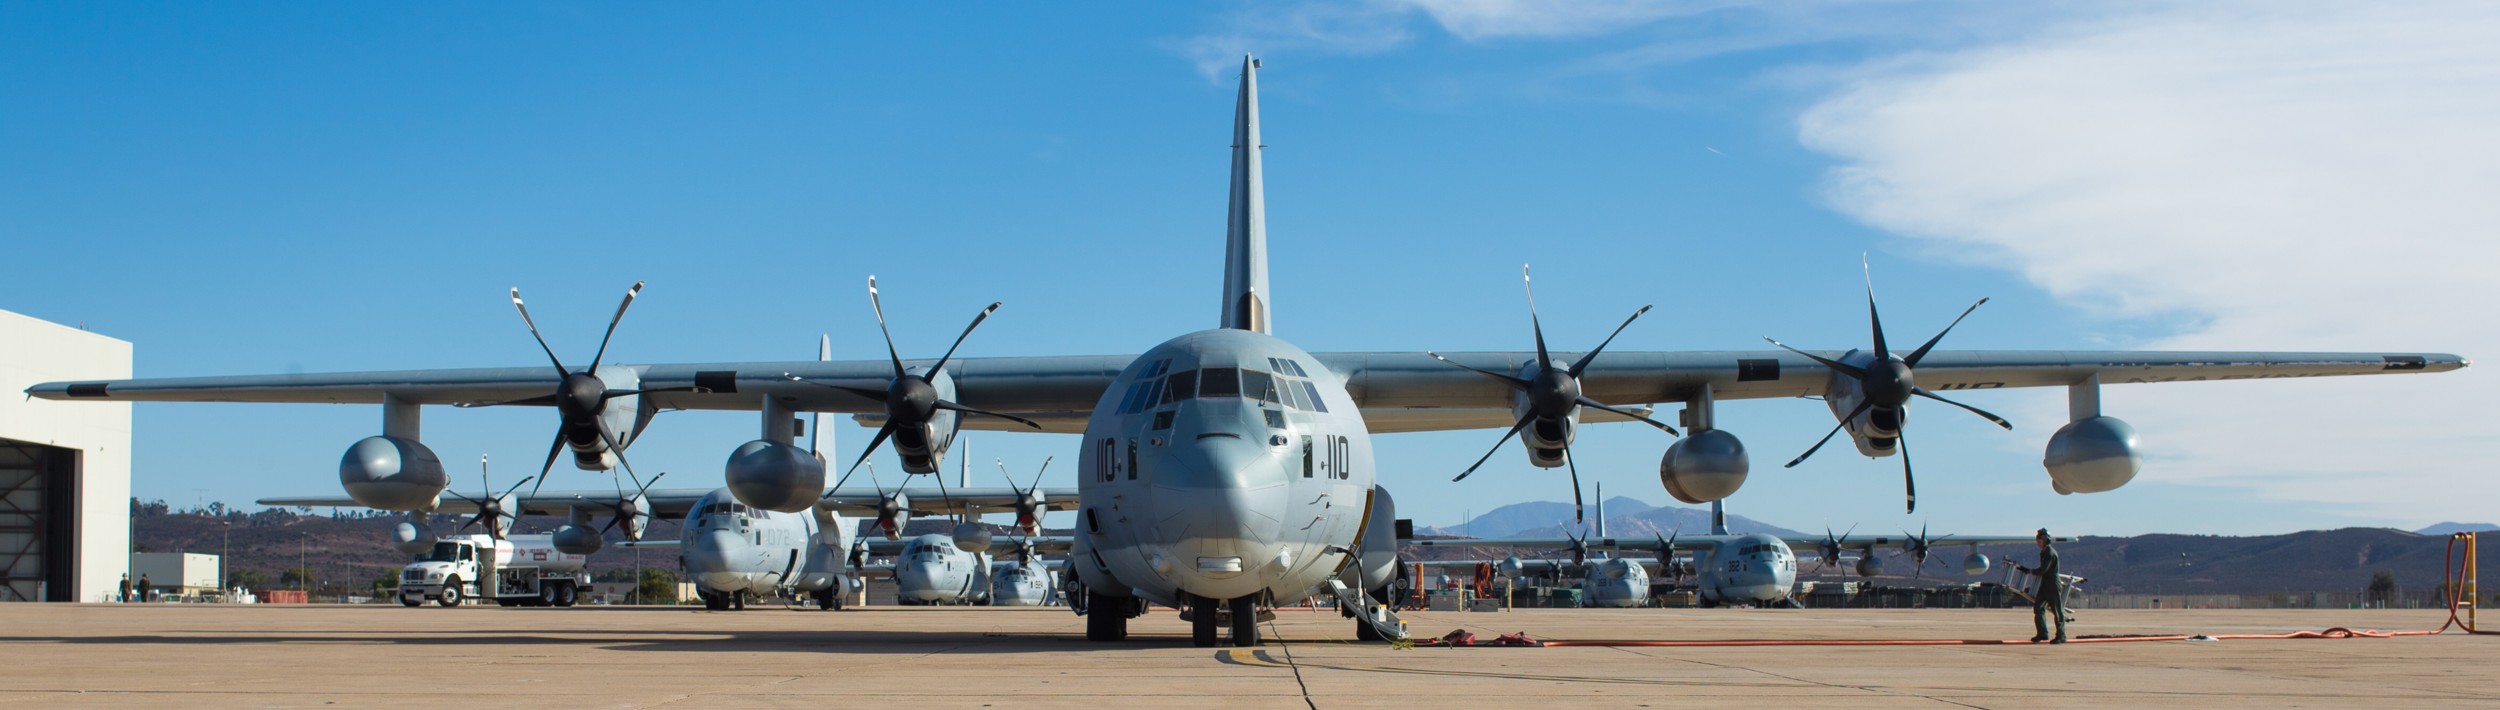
<point>2049,599</point>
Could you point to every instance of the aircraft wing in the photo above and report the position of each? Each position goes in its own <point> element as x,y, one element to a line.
<point>1682,542</point>
<point>1398,391</point>
<point>1810,546</point>
<point>926,500</point>
<point>666,503</point>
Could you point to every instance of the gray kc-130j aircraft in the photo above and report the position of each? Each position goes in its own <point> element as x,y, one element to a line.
<point>1228,470</point>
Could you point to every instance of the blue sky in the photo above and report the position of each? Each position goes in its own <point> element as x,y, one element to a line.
<point>280,188</point>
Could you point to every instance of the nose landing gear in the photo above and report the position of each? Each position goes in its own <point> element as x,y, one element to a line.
<point>1206,615</point>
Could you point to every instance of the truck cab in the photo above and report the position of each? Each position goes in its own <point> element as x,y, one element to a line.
<point>520,570</point>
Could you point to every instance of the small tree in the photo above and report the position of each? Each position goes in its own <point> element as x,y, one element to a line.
<point>657,586</point>
<point>2382,589</point>
<point>248,579</point>
<point>297,577</point>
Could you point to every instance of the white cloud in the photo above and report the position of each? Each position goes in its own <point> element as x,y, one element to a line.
<point>1477,20</point>
<point>2282,178</point>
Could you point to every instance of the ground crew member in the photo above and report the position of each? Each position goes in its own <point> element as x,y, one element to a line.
<point>125,597</point>
<point>143,587</point>
<point>2049,597</point>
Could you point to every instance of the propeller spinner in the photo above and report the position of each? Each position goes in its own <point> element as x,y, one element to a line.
<point>1887,385</point>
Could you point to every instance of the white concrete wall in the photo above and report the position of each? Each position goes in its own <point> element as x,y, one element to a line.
<point>34,351</point>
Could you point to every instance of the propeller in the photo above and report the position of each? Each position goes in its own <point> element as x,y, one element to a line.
<point>893,511</point>
<point>1832,547</point>
<point>1579,549</point>
<point>1029,500</point>
<point>1553,394</point>
<point>580,396</point>
<point>632,512</point>
<point>495,511</point>
<point>1916,548</point>
<point>1666,555</point>
<point>1887,385</point>
<point>911,400</point>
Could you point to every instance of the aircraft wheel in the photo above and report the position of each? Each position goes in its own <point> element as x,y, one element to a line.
<point>738,601</point>
<point>712,601</point>
<point>566,594</point>
<point>1363,631</point>
<point>451,593</point>
<point>1103,621</point>
<point>1246,621</point>
<point>1202,620</point>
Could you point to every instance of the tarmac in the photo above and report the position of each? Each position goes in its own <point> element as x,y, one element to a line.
<point>171,655</point>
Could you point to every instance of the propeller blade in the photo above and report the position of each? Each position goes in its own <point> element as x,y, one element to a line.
<point>1586,402</point>
<point>1881,350</point>
<point>959,340</point>
<point>618,449</point>
<point>541,400</point>
<point>1543,359</point>
<point>472,521</point>
<point>1497,446</point>
<point>602,354</point>
<point>1921,352</point>
<point>1922,391</point>
<point>515,487</point>
<point>1909,482</point>
<point>815,420</point>
<point>879,440</point>
<point>553,448</point>
<point>1574,465</point>
<point>1514,382</point>
<point>561,370</point>
<point>1844,368</point>
<point>879,307</point>
<point>1827,437</point>
<point>943,404</point>
<point>1037,476</point>
<point>1011,478</point>
<point>1586,358</point>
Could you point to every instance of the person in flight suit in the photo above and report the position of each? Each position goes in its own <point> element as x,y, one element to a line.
<point>2049,598</point>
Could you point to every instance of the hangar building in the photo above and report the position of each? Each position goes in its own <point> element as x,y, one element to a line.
<point>64,466</point>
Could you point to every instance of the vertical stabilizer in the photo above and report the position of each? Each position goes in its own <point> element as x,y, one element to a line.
<point>1718,517</point>
<point>1601,510</point>
<point>1245,226</point>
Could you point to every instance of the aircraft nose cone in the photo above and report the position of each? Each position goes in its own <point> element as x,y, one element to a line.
<point>708,551</point>
<point>1221,537</point>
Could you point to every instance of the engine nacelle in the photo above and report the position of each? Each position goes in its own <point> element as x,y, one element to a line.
<point>1708,465</point>
<point>2092,455</point>
<point>972,537</point>
<point>1870,565</point>
<point>1511,567</point>
<point>391,473</point>
<point>413,536</point>
<point>775,476</point>
<point>574,539</point>
<point>1976,564</point>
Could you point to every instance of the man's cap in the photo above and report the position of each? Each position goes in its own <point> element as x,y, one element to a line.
<point>2044,532</point>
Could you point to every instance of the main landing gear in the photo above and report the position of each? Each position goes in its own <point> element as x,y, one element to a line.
<point>1106,617</point>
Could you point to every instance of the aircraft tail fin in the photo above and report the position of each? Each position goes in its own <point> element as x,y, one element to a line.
<point>1601,510</point>
<point>1245,229</point>
<point>1718,517</point>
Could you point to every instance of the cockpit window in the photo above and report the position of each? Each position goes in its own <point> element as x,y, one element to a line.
<point>442,552</point>
<point>1181,385</point>
<point>1260,385</point>
<point>1163,420</point>
<point>1317,404</point>
<point>1220,382</point>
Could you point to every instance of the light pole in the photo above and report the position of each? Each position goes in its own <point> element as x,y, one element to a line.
<point>303,570</point>
<point>224,548</point>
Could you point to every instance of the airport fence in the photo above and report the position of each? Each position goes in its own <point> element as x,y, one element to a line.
<point>2276,600</point>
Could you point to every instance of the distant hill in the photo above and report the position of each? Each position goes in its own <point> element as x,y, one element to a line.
<point>1508,520</point>
<point>1625,517</point>
<point>2454,528</point>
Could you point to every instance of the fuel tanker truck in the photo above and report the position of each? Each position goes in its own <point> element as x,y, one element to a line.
<point>519,570</point>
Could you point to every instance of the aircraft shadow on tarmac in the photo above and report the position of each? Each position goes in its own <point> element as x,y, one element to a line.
<point>515,630</point>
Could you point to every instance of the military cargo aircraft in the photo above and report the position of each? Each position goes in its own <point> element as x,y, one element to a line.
<point>1228,470</point>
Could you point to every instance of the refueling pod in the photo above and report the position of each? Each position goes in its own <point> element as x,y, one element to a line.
<point>1708,465</point>
<point>775,476</point>
<point>392,473</point>
<point>1870,565</point>
<point>415,535</point>
<point>2092,455</point>
<point>1976,564</point>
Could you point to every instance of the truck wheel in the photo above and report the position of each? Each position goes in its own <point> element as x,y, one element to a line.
<point>565,594</point>
<point>409,601</point>
<point>451,593</point>
<point>547,594</point>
